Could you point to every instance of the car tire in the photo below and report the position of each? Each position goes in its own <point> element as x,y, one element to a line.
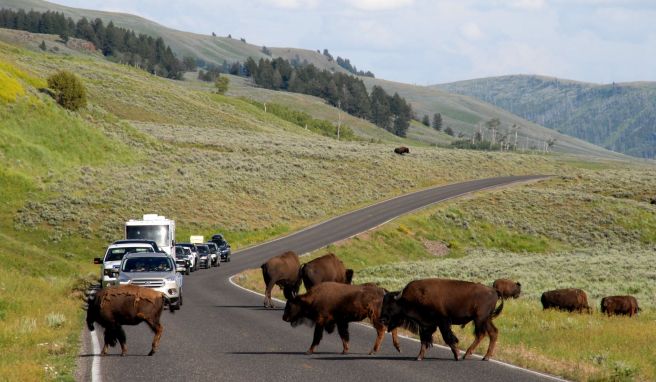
<point>187,271</point>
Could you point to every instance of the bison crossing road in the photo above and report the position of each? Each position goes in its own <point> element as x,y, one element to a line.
<point>225,333</point>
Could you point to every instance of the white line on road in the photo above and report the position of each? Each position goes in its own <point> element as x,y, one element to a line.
<point>95,364</point>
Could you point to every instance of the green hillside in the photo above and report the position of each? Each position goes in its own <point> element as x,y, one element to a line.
<point>620,117</point>
<point>144,144</point>
<point>463,114</point>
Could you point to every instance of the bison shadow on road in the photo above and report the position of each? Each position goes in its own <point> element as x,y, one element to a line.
<point>331,356</point>
<point>249,307</point>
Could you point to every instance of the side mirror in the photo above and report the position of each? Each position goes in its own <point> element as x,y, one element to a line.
<point>97,260</point>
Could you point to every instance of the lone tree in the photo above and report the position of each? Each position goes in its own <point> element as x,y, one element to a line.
<point>449,130</point>
<point>426,120</point>
<point>222,83</point>
<point>68,90</point>
<point>437,121</point>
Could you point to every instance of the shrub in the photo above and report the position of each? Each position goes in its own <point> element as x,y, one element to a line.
<point>222,84</point>
<point>69,91</point>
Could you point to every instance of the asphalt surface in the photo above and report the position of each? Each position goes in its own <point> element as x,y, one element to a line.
<point>223,333</point>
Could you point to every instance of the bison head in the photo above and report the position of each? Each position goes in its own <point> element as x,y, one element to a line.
<point>91,313</point>
<point>391,313</point>
<point>294,311</point>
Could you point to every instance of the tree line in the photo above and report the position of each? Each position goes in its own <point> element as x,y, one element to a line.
<point>390,112</point>
<point>121,44</point>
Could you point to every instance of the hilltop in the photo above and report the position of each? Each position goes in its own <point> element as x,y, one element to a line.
<point>464,115</point>
<point>618,116</point>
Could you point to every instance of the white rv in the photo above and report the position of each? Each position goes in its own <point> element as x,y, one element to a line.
<point>153,227</point>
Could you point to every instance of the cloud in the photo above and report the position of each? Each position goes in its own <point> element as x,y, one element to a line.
<point>471,31</point>
<point>378,5</point>
<point>292,4</point>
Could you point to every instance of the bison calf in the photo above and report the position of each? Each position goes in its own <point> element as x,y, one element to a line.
<point>282,270</point>
<point>620,305</point>
<point>402,150</point>
<point>507,288</point>
<point>331,304</point>
<point>325,268</point>
<point>115,306</point>
<point>570,299</point>
<point>426,305</point>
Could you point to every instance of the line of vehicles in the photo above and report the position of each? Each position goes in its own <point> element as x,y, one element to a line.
<point>150,257</point>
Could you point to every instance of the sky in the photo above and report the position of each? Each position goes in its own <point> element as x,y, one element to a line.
<point>428,42</point>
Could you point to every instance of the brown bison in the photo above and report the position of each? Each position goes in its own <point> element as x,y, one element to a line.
<point>571,299</point>
<point>115,306</point>
<point>507,288</point>
<point>325,268</point>
<point>402,150</point>
<point>331,304</point>
<point>620,305</point>
<point>426,305</point>
<point>281,270</point>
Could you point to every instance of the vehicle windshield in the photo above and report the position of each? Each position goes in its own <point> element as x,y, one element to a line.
<point>212,248</point>
<point>157,233</point>
<point>179,251</point>
<point>116,254</point>
<point>202,249</point>
<point>148,264</point>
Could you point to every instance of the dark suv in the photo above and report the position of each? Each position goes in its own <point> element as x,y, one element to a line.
<point>204,256</point>
<point>224,247</point>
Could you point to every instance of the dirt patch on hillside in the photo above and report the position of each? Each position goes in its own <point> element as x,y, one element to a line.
<point>435,247</point>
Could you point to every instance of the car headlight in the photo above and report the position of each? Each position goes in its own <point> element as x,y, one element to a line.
<point>108,272</point>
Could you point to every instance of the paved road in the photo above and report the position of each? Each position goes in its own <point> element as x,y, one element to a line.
<point>223,333</point>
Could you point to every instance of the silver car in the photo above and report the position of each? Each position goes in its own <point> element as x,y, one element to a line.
<point>156,270</point>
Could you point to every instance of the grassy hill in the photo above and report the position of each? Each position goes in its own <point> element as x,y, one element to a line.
<point>463,114</point>
<point>144,144</point>
<point>620,117</point>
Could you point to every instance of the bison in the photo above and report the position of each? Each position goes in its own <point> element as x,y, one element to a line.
<point>402,150</point>
<point>325,268</point>
<point>507,288</point>
<point>571,300</point>
<point>282,270</point>
<point>426,305</point>
<point>331,304</point>
<point>115,306</point>
<point>620,305</point>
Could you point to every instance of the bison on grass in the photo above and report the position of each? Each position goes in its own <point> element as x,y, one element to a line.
<point>402,150</point>
<point>507,288</point>
<point>331,304</point>
<point>325,268</point>
<point>570,300</point>
<point>426,305</point>
<point>284,271</point>
<point>620,305</point>
<point>115,306</point>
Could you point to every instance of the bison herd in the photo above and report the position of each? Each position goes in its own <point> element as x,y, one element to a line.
<point>423,306</point>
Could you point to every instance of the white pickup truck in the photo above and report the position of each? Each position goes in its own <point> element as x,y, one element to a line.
<point>112,259</point>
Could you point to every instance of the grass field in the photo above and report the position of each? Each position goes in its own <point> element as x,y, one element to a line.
<point>593,229</point>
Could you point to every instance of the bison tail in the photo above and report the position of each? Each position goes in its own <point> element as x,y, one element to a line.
<point>497,311</point>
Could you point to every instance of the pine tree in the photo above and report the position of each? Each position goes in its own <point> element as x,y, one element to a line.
<point>43,45</point>
<point>437,121</point>
<point>449,130</point>
<point>426,120</point>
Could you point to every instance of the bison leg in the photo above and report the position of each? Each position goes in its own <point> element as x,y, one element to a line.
<point>267,295</point>
<point>120,335</point>
<point>380,331</point>
<point>493,332</point>
<point>318,334</point>
<point>426,337</point>
<point>110,339</point>
<point>158,329</point>
<point>342,329</point>
<point>395,340</point>
<point>449,338</point>
<point>479,333</point>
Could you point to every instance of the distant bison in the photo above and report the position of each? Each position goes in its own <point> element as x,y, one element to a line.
<point>426,305</point>
<point>402,150</point>
<point>115,306</point>
<point>620,305</point>
<point>282,270</point>
<point>331,304</point>
<point>325,268</point>
<point>570,300</point>
<point>507,288</point>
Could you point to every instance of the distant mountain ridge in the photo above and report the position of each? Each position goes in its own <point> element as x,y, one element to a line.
<point>463,114</point>
<point>617,116</point>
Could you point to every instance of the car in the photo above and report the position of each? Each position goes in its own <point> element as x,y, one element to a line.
<point>155,270</point>
<point>224,247</point>
<point>113,256</point>
<point>214,252</point>
<point>182,260</point>
<point>139,241</point>
<point>204,256</point>
<point>191,257</point>
<point>194,253</point>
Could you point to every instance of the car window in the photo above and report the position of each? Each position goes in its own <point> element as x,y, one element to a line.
<point>202,249</point>
<point>116,254</point>
<point>147,264</point>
